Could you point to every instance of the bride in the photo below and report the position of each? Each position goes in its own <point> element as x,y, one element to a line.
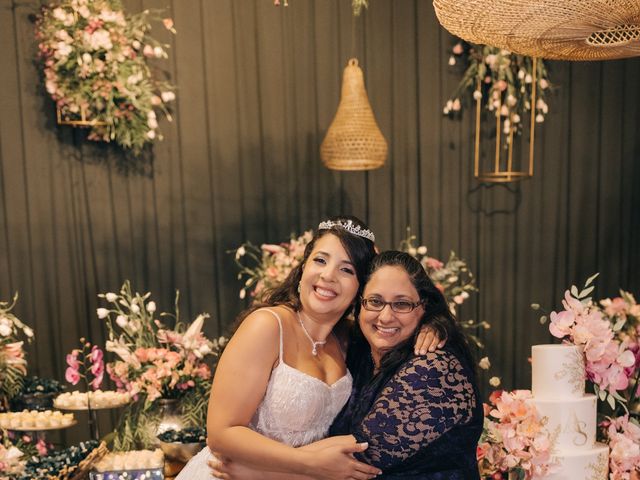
<point>282,378</point>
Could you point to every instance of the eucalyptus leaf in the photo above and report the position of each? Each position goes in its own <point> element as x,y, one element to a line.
<point>619,324</point>
<point>591,279</point>
<point>586,291</point>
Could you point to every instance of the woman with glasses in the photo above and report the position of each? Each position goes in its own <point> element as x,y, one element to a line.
<point>421,416</point>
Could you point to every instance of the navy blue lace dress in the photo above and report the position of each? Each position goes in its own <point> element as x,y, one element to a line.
<point>423,422</point>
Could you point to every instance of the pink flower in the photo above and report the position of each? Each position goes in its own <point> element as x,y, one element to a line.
<point>72,376</point>
<point>561,323</point>
<point>72,359</point>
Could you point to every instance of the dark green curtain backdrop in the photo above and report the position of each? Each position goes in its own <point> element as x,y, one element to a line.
<point>257,89</point>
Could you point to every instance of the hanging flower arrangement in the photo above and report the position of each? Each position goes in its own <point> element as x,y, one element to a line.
<point>502,80</point>
<point>356,5</point>
<point>94,60</point>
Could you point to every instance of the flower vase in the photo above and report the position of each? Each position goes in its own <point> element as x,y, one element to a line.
<point>169,417</point>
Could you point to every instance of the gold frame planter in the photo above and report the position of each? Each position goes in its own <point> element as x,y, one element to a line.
<point>503,169</point>
<point>83,122</point>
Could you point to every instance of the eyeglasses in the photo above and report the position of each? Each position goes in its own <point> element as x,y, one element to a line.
<point>374,304</point>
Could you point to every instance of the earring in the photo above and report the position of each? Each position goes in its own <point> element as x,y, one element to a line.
<point>299,288</point>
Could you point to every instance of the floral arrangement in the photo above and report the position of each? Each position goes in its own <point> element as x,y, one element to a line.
<point>609,362</point>
<point>624,444</point>
<point>503,80</point>
<point>608,331</point>
<point>11,460</point>
<point>514,438</point>
<point>13,364</point>
<point>87,363</point>
<point>94,60</point>
<point>269,264</point>
<point>153,361</point>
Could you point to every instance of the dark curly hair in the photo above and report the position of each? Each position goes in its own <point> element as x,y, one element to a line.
<point>436,314</point>
<point>359,249</point>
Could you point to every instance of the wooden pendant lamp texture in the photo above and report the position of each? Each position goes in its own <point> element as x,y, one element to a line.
<point>552,29</point>
<point>354,140</point>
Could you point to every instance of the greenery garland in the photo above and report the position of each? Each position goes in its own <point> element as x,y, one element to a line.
<point>94,61</point>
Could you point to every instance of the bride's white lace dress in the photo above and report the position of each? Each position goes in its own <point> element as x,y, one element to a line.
<point>297,409</point>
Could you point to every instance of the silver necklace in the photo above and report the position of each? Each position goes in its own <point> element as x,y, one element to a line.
<point>314,344</point>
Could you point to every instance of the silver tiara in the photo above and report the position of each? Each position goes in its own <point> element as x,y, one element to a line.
<point>350,227</point>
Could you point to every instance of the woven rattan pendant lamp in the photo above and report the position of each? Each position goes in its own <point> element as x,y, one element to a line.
<point>353,140</point>
<point>553,29</point>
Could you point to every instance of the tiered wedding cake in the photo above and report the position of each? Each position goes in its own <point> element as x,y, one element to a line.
<point>557,385</point>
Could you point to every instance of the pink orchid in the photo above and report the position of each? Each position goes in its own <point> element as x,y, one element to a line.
<point>561,323</point>
<point>72,359</point>
<point>72,376</point>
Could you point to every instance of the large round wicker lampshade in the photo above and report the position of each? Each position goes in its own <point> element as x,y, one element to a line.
<point>353,141</point>
<point>554,29</point>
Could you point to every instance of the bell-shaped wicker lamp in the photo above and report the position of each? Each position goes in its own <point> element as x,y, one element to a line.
<point>553,29</point>
<point>353,141</point>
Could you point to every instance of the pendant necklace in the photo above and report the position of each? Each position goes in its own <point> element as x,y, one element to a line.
<point>314,344</point>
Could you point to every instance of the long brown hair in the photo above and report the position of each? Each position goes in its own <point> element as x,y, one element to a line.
<point>359,249</point>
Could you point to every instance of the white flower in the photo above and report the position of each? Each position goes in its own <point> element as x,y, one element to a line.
<point>243,294</point>
<point>521,74</point>
<point>111,297</point>
<point>63,49</point>
<point>102,312</point>
<point>5,328</point>
<point>539,118</point>
<point>158,52</point>
<point>484,363</point>
<point>477,95</point>
<point>152,123</point>
<point>151,307</point>
<point>452,60</point>
<point>515,118</point>
<point>121,321</point>
<point>135,308</point>
<point>194,328</point>
<point>544,84</point>
<point>422,250</point>
<point>136,44</point>
<point>156,100</point>
<point>28,332</point>
<point>86,58</point>
<point>59,14</point>
<point>84,11</point>
<point>98,39</point>
<point>168,96</point>
<point>151,134</point>
<point>527,78</point>
<point>240,252</point>
<point>494,381</point>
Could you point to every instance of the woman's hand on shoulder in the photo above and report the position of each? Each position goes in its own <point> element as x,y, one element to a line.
<point>428,341</point>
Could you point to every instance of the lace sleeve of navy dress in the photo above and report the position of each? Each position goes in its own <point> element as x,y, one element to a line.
<point>425,419</point>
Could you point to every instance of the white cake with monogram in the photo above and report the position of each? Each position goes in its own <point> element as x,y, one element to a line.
<point>557,385</point>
